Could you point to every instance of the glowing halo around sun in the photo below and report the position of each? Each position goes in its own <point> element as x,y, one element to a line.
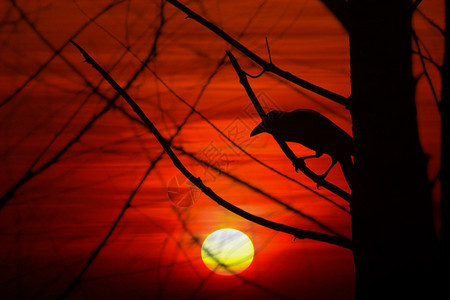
<point>227,251</point>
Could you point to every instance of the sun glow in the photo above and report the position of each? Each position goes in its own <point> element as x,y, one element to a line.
<point>227,251</point>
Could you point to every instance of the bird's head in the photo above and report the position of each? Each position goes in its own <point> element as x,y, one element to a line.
<point>265,125</point>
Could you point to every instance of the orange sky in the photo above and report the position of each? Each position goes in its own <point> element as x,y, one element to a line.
<point>50,227</point>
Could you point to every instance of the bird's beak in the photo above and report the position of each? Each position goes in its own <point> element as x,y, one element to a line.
<point>258,129</point>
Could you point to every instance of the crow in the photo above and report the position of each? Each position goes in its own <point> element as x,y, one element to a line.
<point>314,131</point>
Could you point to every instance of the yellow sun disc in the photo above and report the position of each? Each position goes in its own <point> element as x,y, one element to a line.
<point>227,251</point>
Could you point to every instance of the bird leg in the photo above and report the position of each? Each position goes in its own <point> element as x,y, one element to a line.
<point>301,160</point>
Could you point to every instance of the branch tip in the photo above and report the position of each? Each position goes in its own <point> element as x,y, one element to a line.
<point>268,50</point>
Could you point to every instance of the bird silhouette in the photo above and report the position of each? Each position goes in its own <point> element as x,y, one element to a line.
<point>314,131</point>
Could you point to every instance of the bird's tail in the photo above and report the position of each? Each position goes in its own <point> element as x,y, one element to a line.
<point>348,168</point>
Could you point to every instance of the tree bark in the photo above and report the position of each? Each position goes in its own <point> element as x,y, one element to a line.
<point>393,233</point>
<point>445,154</point>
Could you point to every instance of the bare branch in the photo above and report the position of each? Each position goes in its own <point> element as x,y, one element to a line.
<point>431,22</point>
<point>267,66</point>
<point>284,147</point>
<point>425,71</point>
<point>56,51</point>
<point>296,232</point>
<point>97,250</point>
<point>268,50</point>
<point>426,58</point>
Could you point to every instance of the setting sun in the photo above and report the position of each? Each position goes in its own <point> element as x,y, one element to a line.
<point>227,251</point>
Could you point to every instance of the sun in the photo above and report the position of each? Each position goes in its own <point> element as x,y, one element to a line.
<point>227,251</point>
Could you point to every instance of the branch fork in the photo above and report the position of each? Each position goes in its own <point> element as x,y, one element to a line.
<point>319,180</point>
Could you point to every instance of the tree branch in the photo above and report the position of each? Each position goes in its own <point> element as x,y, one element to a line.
<point>436,26</point>
<point>425,71</point>
<point>284,147</point>
<point>296,232</point>
<point>428,59</point>
<point>267,66</point>
<point>56,51</point>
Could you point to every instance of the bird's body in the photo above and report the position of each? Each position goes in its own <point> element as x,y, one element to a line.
<point>309,128</point>
<point>312,130</point>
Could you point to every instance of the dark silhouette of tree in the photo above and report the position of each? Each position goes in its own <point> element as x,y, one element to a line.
<point>396,251</point>
<point>393,191</point>
<point>391,198</point>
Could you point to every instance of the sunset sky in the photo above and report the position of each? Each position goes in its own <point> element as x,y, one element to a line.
<point>73,158</point>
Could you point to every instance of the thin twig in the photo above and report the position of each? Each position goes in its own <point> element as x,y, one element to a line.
<point>425,71</point>
<point>30,174</point>
<point>296,232</point>
<point>267,66</point>
<point>428,59</point>
<point>56,51</point>
<point>97,250</point>
<point>431,22</point>
<point>268,50</point>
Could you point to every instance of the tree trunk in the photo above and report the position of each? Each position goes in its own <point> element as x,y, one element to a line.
<point>393,234</point>
<point>445,153</point>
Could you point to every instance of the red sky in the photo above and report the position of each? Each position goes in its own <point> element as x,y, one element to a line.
<point>55,219</point>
